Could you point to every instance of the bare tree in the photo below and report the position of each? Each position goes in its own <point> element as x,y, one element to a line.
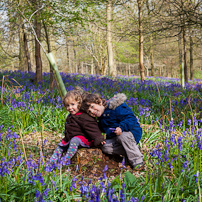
<point>48,41</point>
<point>29,69</point>
<point>22,54</point>
<point>37,23</point>
<point>191,44</point>
<point>111,65</point>
<point>141,39</point>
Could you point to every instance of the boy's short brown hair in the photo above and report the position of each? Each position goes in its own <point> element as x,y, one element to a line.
<point>89,98</point>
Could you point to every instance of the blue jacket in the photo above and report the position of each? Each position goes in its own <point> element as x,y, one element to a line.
<point>118,114</point>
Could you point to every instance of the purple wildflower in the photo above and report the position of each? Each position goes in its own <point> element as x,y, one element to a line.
<point>179,143</point>
<point>123,162</point>
<point>196,176</point>
<point>105,168</point>
<point>170,165</point>
<point>185,166</point>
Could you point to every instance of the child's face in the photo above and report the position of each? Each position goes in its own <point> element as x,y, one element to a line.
<point>96,110</point>
<point>71,106</point>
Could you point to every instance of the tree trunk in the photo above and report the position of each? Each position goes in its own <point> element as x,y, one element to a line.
<point>27,51</point>
<point>92,67</point>
<point>191,59</point>
<point>185,56</point>
<point>151,55</point>
<point>37,49</point>
<point>49,50</point>
<point>70,55</point>
<point>111,65</point>
<point>129,70</point>
<point>141,53</point>
<point>180,59</point>
<point>22,56</point>
<point>171,68</point>
<point>67,46</point>
<point>82,67</point>
<point>180,48</point>
<point>32,48</point>
<point>75,59</point>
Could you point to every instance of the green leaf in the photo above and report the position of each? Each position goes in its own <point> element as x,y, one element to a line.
<point>129,179</point>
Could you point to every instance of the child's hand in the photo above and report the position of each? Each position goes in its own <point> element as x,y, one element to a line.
<point>103,142</point>
<point>118,131</point>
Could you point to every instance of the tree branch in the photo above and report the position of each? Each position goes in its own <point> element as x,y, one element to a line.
<point>29,22</point>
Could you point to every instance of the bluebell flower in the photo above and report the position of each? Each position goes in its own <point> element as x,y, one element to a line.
<point>84,190</point>
<point>39,196</point>
<point>196,176</point>
<point>39,177</point>
<point>122,195</point>
<point>45,192</point>
<point>1,126</point>
<point>185,165</point>
<point>170,165</point>
<point>104,175</point>
<point>166,157</point>
<point>132,199</point>
<point>4,168</point>
<point>123,162</point>
<point>192,146</point>
<point>171,125</point>
<point>45,141</point>
<point>179,143</point>
<point>90,181</point>
<point>189,122</point>
<point>198,138</point>
<point>136,199</point>
<point>73,182</point>
<point>105,168</point>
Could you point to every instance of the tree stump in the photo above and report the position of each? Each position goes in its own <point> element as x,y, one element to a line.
<point>92,161</point>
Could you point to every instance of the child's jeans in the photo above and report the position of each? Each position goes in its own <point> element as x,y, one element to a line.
<point>124,144</point>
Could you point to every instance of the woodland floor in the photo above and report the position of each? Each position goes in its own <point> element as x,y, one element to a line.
<point>91,162</point>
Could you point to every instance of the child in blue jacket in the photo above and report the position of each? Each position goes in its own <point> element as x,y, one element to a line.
<point>116,119</point>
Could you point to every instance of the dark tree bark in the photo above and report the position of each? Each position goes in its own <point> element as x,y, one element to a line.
<point>22,55</point>
<point>38,52</point>
<point>185,56</point>
<point>29,69</point>
<point>38,60</point>
<point>49,50</point>
<point>191,59</point>
<point>151,55</point>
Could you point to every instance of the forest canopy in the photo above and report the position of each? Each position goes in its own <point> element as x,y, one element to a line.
<point>128,37</point>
